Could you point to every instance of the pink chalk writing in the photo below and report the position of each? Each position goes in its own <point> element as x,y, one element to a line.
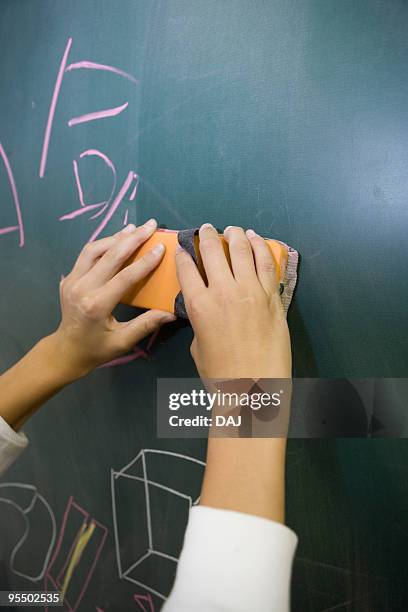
<point>145,603</point>
<point>121,193</point>
<point>111,204</point>
<point>94,66</point>
<point>137,353</point>
<point>115,204</point>
<point>101,205</point>
<point>63,68</point>
<point>19,227</point>
<point>152,340</point>
<point>134,192</point>
<point>53,105</point>
<point>103,114</point>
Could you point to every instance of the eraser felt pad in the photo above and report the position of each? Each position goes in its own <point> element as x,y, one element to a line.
<point>161,289</point>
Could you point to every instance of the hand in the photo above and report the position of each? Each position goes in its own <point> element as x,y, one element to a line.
<point>240,328</point>
<point>89,335</point>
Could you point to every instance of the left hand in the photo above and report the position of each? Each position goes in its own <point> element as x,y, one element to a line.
<point>89,335</point>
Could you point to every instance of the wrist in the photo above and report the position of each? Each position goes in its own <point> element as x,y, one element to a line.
<point>246,475</point>
<point>33,380</point>
<point>57,358</point>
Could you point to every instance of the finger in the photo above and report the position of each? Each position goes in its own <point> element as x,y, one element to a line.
<point>116,256</point>
<point>112,292</point>
<point>131,332</point>
<point>264,262</point>
<point>242,259</point>
<point>189,277</point>
<point>213,256</point>
<point>92,251</point>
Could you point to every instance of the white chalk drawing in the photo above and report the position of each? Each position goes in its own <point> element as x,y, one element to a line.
<point>147,531</point>
<point>8,493</point>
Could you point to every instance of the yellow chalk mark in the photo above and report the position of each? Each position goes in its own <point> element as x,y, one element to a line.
<point>85,534</point>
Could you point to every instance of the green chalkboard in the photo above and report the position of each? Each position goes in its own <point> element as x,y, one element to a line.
<point>288,116</point>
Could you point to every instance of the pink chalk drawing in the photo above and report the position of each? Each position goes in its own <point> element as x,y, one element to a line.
<point>131,177</point>
<point>119,194</point>
<point>99,206</point>
<point>103,114</point>
<point>111,204</point>
<point>109,164</point>
<point>53,105</point>
<point>145,603</point>
<point>106,209</point>
<point>152,340</point>
<point>136,354</point>
<point>74,521</point>
<point>94,66</point>
<point>19,227</point>
<point>93,116</point>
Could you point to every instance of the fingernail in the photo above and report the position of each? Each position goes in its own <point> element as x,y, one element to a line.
<point>151,223</point>
<point>158,249</point>
<point>129,228</point>
<point>250,233</point>
<point>227,228</point>
<point>207,226</point>
<point>168,318</point>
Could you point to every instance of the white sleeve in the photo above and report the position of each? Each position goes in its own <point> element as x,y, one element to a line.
<point>233,562</point>
<point>11,445</point>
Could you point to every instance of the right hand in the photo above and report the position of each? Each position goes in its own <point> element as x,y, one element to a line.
<point>240,328</point>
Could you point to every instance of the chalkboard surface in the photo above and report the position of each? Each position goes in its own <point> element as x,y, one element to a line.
<point>288,116</point>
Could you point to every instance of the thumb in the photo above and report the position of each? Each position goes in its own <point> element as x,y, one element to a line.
<point>133,331</point>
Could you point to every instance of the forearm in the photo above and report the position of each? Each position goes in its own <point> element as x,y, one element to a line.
<point>246,475</point>
<point>39,375</point>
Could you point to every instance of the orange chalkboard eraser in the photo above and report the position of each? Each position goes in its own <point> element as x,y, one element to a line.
<point>161,290</point>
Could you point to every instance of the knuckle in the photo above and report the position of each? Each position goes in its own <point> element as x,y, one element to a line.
<point>209,243</point>
<point>74,291</point>
<point>183,265</point>
<point>148,326</point>
<point>149,259</point>
<point>227,293</point>
<point>267,265</point>
<point>196,304</point>
<point>182,255</point>
<point>183,260</point>
<point>89,306</point>
<point>118,252</point>
<point>128,274</point>
<point>242,247</point>
<point>89,248</point>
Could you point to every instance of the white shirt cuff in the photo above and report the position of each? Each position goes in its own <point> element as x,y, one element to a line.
<point>11,445</point>
<point>233,562</point>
